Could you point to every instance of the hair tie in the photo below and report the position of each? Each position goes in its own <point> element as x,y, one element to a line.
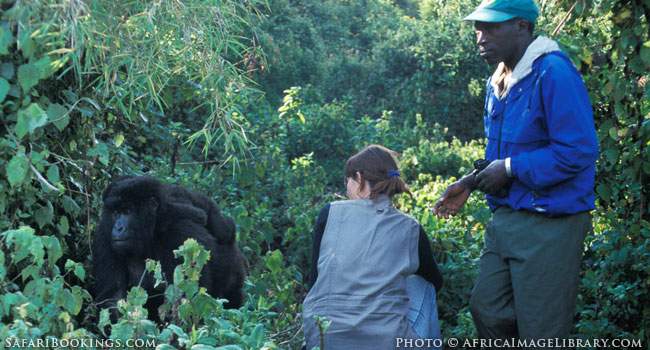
<point>393,173</point>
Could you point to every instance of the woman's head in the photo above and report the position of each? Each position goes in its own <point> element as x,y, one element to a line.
<point>377,165</point>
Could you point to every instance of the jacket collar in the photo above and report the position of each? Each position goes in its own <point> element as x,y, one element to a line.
<point>380,203</point>
<point>540,46</point>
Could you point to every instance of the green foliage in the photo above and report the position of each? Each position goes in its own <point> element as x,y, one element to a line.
<point>435,158</point>
<point>375,57</point>
<point>41,302</point>
<point>196,320</point>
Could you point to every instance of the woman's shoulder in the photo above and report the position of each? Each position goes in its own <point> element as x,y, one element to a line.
<point>408,218</point>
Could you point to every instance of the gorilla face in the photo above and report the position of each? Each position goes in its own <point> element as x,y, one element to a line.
<point>134,225</point>
<point>131,208</point>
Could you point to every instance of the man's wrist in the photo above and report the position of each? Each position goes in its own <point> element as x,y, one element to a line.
<point>469,181</point>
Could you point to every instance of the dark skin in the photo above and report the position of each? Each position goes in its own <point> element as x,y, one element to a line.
<point>497,42</point>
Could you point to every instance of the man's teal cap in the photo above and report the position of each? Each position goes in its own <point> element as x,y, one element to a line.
<point>503,10</point>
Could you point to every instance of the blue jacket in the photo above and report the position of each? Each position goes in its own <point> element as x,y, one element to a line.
<point>545,125</point>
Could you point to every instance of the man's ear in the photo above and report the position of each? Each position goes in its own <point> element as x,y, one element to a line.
<point>523,25</point>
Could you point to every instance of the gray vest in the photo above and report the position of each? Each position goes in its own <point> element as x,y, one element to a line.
<point>368,250</point>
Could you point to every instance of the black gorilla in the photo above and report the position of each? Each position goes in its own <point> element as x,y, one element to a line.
<point>144,218</point>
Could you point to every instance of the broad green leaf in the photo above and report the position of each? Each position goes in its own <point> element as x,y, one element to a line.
<point>54,251</point>
<point>274,261</point>
<point>104,319</point>
<point>185,311</point>
<point>80,272</point>
<point>119,139</point>
<point>37,250</point>
<point>53,173</point>
<point>189,286</point>
<point>30,271</point>
<point>28,76</point>
<point>17,169</point>
<point>156,268</point>
<point>5,40</point>
<point>604,191</point>
<point>165,347</point>
<point>7,70</point>
<point>71,301</point>
<point>63,226</point>
<point>70,206</point>
<point>19,239</point>
<point>613,133</point>
<point>9,300</point>
<point>256,338</point>
<point>58,115</point>
<point>44,215</point>
<point>38,157</point>
<point>69,265</point>
<point>4,89</point>
<point>137,296</point>
<point>122,330</point>
<point>44,67</point>
<point>101,151</point>
<point>29,119</point>
<point>611,155</point>
<point>202,347</point>
<point>177,330</point>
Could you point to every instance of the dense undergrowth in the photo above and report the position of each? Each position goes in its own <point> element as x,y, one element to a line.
<point>205,94</point>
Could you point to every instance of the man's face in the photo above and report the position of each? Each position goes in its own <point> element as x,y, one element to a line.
<point>497,42</point>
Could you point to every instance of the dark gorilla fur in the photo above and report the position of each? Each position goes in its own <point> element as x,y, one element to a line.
<point>144,218</point>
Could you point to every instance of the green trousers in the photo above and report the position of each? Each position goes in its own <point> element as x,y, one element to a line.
<point>528,279</point>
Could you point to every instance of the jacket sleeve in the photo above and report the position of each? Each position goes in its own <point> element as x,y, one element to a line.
<point>573,145</point>
<point>428,267</point>
<point>319,229</point>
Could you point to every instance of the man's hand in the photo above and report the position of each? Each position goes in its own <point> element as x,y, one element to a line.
<point>493,178</point>
<point>454,197</point>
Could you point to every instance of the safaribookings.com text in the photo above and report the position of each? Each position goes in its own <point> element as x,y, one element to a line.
<point>54,343</point>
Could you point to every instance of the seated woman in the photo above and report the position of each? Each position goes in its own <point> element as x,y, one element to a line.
<point>373,273</point>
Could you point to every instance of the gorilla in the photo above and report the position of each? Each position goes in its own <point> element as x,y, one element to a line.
<point>143,218</point>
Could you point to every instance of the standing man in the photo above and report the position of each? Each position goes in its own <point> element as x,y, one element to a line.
<point>542,149</point>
